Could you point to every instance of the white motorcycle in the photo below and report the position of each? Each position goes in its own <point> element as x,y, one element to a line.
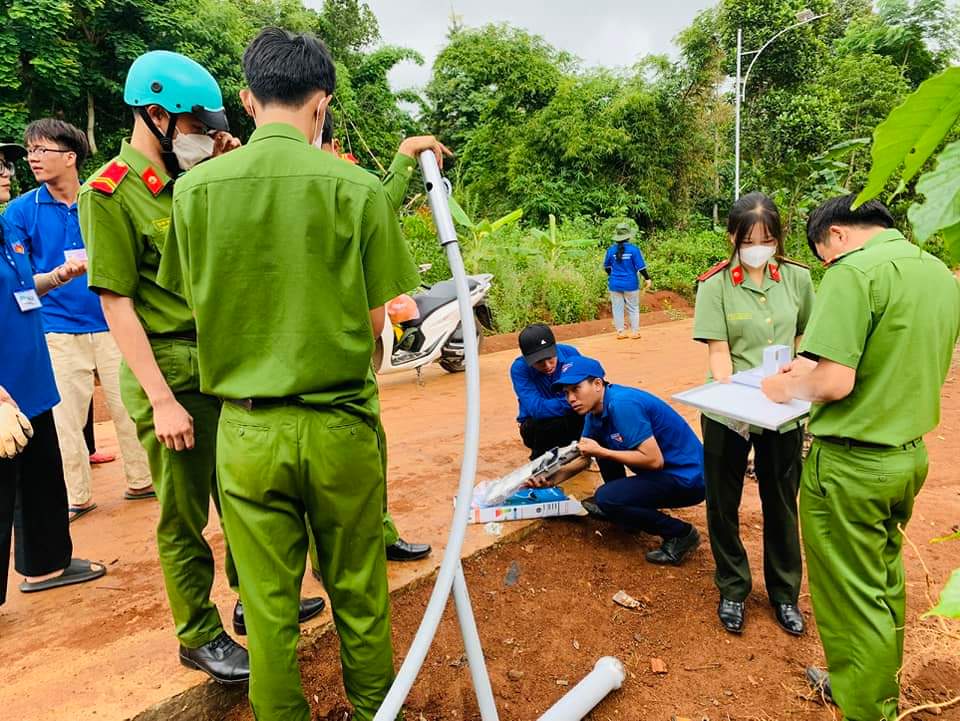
<point>436,335</point>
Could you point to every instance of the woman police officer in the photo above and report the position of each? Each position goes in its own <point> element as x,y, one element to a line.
<point>755,299</point>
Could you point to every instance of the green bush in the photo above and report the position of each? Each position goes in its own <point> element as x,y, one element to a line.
<point>676,258</point>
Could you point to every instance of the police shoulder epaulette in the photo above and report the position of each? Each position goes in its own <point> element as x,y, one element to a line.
<point>714,270</point>
<point>784,259</point>
<point>110,178</point>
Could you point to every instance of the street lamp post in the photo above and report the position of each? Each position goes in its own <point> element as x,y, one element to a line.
<point>803,17</point>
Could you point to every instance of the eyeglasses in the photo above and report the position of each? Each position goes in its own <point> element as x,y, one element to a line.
<point>40,151</point>
<point>8,168</point>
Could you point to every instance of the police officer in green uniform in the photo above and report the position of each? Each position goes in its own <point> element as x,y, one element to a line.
<point>881,339</point>
<point>395,184</point>
<point>756,299</point>
<point>124,215</point>
<point>286,256</point>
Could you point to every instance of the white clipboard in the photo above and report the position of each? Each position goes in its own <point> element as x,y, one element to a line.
<point>744,403</point>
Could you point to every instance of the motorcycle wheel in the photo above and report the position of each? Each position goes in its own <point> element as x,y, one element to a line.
<point>458,365</point>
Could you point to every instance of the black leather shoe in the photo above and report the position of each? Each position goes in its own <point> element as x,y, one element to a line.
<point>789,618</point>
<point>731,614</point>
<point>674,550</point>
<point>591,507</point>
<point>309,607</point>
<point>223,659</point>
<point>819,681</point>
<point>403,551</point>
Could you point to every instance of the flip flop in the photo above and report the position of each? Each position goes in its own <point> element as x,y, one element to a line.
<point>80,570</point>
<point>128,496</point>
<point>78,511</point>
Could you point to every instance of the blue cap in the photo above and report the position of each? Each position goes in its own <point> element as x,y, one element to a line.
<point>577,369</point>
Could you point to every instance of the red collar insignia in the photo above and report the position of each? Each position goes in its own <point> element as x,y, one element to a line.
<point>153,182</point>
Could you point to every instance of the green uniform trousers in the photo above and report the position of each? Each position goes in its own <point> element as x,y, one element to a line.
<point>184,481</point>
<point>276,466</point>
<point>777,464</point>
<point>851,501</point>
<point>390,533</point>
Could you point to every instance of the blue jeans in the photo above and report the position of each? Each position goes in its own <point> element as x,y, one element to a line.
<point>630,299</point>
<point>634,501</point>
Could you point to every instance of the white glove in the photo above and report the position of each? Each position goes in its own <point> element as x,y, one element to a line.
<point>15,430</point>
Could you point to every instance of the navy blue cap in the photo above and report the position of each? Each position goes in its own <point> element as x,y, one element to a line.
<point>577,369</point>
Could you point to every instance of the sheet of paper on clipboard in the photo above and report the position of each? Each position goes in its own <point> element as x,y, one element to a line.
<point>742,400</point>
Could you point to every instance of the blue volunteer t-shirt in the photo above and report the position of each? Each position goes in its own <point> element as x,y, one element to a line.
<point>25,369</point>
<point>50,230</point>
<point>630,416</point>
<point>623,272</point>
<point>534,389</point>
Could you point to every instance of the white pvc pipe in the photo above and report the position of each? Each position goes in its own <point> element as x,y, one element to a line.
<point>471,644</point>
<point>437,192</point>
<point>607,675</point>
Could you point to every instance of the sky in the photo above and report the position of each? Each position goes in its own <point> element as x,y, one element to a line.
<point>600,32</point>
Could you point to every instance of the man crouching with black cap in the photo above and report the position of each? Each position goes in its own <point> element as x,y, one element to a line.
<point>546,419</point>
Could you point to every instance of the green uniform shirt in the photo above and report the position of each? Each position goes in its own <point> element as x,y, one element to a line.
<point>124,232</point>
<point>397,179</point>
<point>891,311</point>
<point>281,249</point>
<point>730,307</point>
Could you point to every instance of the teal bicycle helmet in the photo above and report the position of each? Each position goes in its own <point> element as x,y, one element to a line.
<point>179,85</point>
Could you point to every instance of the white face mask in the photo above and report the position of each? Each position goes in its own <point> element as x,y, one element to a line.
<point>192,148</point>
<point>756,256</point>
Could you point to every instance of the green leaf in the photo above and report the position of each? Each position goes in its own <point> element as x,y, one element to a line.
<point>913,130</point>
<point>949,604</point>
<point>941,189</point>
<point>955,536</point>
<point>459,214</point>
<point>842,150</point>
<point>951,239</point>
<point>507,219</point>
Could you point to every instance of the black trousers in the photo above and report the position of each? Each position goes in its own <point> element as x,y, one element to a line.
<point>542,434</point>
<point>88,432</point>
<point>33,504</point>
<point>634,501</point>
<point>777,464</point>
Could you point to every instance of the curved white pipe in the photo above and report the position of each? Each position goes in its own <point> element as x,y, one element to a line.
<point>437,191</point>
<point>608,675</point>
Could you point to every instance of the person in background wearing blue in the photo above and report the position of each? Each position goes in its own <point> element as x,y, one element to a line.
<point>546,419</point>
<point>622,263</point>
<point>76,331</point>
<point>649,457</point>
<point>32,493</point>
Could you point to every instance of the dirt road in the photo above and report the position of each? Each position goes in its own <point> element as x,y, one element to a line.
<point>106,650</point>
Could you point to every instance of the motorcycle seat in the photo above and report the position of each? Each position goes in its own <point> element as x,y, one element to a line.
<point>436,297</point>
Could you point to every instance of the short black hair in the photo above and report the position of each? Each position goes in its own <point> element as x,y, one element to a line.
<point>286,68</point>
<point>326,135</point>
<point>752,209</point>
<point>67,136</point>
<point>837,211</point>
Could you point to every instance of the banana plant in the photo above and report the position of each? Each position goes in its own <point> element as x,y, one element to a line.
<point>555,246</point>
<point>908,138</point>
<point>475,247</point>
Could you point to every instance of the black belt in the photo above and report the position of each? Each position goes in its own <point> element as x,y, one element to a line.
<point>255,404</point>
<point>185,335</point>
<point>854,443</point>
